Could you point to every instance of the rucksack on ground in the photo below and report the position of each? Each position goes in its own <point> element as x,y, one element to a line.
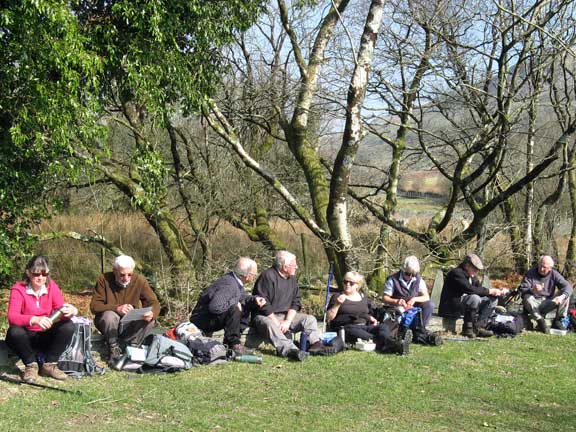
<point>165,353</point>
<point>77,359</point>
<point>506,325</point>
<point>207,351</point>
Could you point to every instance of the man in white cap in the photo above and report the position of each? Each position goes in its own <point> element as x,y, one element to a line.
<point>463,293</point>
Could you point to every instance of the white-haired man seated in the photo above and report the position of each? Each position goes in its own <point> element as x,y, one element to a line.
<point>405,290</point>
<point>116,293</point>
<point>545,290</point>
<point>280,315</point>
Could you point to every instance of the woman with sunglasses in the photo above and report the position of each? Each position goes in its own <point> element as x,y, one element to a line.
<point>32,301</point>
<point>351,310</point>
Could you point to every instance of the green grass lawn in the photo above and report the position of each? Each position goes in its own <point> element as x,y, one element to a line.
<point>522,384</point>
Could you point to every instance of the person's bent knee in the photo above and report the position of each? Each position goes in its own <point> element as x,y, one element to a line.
<point>16,332</point>
<point>67,328</point>
<point>473,301</point>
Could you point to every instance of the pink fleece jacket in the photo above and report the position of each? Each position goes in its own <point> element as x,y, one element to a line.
<point>22,307</point>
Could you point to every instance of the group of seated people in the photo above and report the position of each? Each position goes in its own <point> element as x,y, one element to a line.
<point>543,290</point>
<point>273,309</point>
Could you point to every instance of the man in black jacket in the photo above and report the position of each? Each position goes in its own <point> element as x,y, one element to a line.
<point>539,296</point>
<point>222,304</point>
<point>464,294</point>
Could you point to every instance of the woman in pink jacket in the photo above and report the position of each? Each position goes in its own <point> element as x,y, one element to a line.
<point>32,301</point>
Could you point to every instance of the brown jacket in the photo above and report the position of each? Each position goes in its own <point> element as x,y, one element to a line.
<point>108,294</point>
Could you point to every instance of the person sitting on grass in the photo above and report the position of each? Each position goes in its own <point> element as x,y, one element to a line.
<point>539,294</point>
<point>223,304</point>
<point>281,313</point>
<point>351,310</point>
<point>117,293</point>
<point>406,290</point>
<point>31,331</point>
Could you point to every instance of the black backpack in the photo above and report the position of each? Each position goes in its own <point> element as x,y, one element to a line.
<point>506,325</point>
<point>207,351</point>
<point>77,359</point>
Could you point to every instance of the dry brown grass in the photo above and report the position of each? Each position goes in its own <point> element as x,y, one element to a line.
<point>76,265</point>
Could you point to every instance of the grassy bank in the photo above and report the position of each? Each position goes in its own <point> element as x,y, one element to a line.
<point>523,384</point>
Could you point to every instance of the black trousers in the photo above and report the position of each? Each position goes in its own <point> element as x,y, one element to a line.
<point>229,321</point>
<point>385,334</point>
<point>52,342</point>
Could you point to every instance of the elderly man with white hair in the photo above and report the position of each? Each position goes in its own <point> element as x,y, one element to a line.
<point>405,290</point>
<point>281,313</point>
<point>116,293</point>
<point>544,290</point>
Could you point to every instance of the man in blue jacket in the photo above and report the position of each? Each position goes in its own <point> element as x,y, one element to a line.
<point>544,290</point>
<point>222,304</point>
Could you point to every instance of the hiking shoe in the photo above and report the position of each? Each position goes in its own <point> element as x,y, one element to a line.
<point>326,350</point>
<point>483,333</point>
<point>404,346</point>
<point>114,352</point>
<point>542,326</point>
<point>316,347</point>
<point>51,370</point>
<point>559,324</point>
<point>434,339</point>
<point>239,349</point>
<point>297,355</point>
<point>468,330</point>
<point>30,373</point>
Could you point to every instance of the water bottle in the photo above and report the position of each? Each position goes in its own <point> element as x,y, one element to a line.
<point>248,358</point>
<point>56,315</point>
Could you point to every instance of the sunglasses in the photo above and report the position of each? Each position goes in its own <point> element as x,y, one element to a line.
<point>44,273</point>
<point>408,274</point>
<point>349,282</point>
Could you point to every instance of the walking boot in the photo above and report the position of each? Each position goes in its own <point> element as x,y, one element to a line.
<point>483,332</point>
<point>297,355</point>
<point>542,326</point>
<point>30,373</point>
<point>480,328</point>
<point>470,317</point>
<point>468,330</point>
<point>51,370</point>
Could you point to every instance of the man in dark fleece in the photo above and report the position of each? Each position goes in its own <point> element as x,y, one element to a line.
<point>223,304</point>
<point>280,315</point>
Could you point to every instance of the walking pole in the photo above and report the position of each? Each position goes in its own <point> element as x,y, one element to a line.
<point>330,274</point>
<point>4,377</point>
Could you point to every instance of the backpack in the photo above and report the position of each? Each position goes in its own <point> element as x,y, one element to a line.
<point>207,351</point>
<point>77,359</point>
<point>167,354</point>
<point>572,319</point>
<point>506,325</point>
<point>408,317</point>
